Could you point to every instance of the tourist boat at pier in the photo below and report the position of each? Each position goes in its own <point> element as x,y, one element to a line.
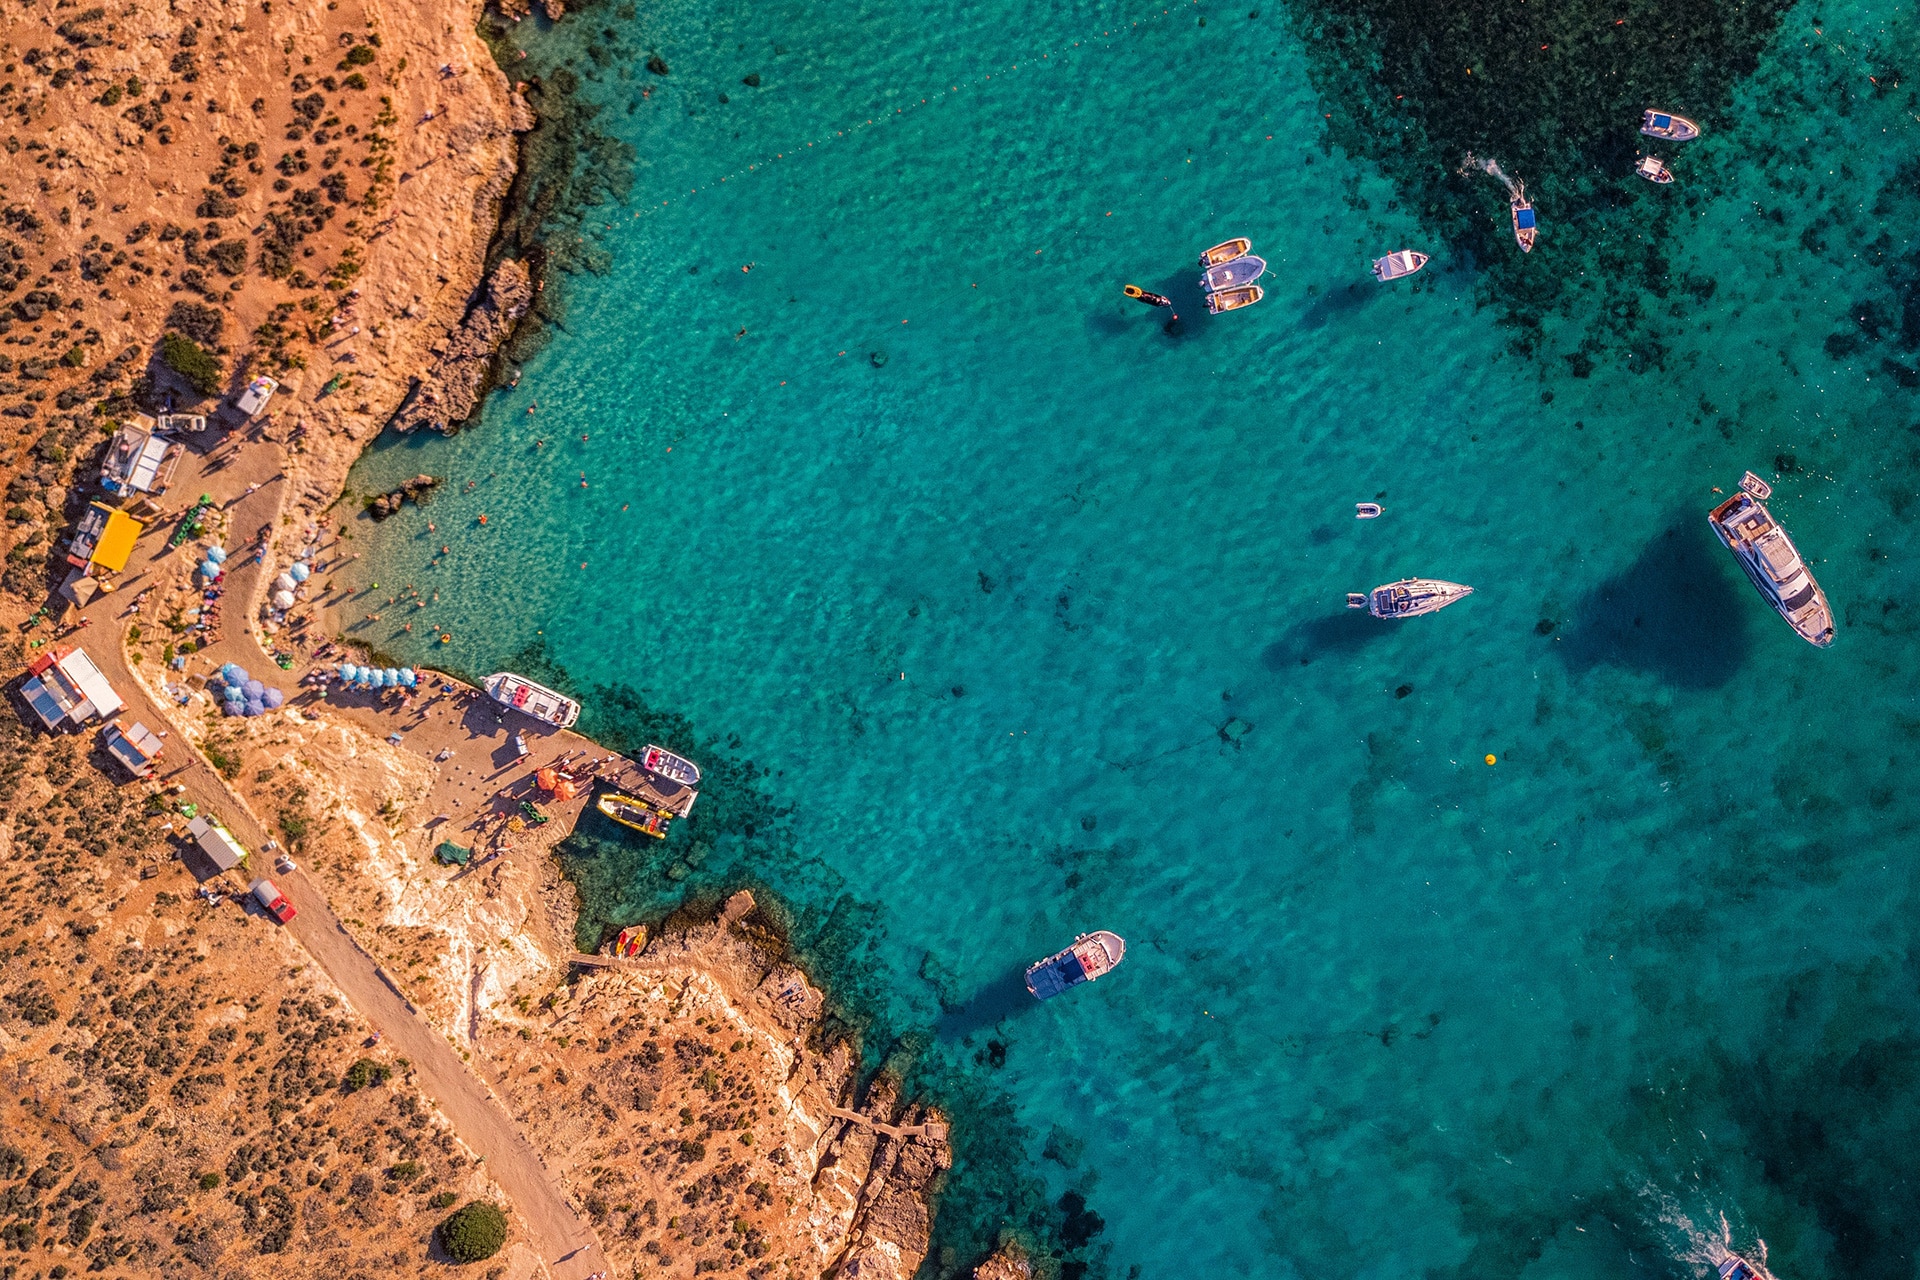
<point>1663,124</point>
<point>631,811</point>
<point>1401,262</point>
<point>1654,169</point>
<point>1234,299</point>
<point>1771,560</point>
<point>1408,597</point>
<point>1735,1267</point>
<point>670,766</point>
<point>532,699</point>
<point>1225,251</point>
<point>1090,956</point>
<point>1243,270</point>
<point>1525,226</point>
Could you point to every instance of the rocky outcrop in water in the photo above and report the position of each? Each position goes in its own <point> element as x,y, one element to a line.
<point>449,392</point>
<point>388,504</point>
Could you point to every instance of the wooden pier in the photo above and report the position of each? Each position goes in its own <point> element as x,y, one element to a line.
<point>931,1130</point>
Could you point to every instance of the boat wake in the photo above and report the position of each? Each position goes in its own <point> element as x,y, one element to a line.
<point>1471,162</point>
<point>1706,1247</point>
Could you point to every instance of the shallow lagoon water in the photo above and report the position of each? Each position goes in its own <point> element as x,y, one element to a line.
<point>1028,617</point>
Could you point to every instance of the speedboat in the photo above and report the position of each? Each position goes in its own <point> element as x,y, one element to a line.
<point>1225,251</point>
<point>532,699</point>
<point>1408,597</point>
<point>1401,262</point>
<point>631,811</point>
<point>670,766</point>
<point>1735,1267</point>
<point>1243,270</point>
<point>1654,169</point>
<point>1524,224</point>
<point>1090,956</point>
<point>1771,560</point>
<point>1233,299</point>
<point>1662,124</point>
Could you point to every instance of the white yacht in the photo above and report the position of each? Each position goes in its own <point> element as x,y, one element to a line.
<point>1772,561</point>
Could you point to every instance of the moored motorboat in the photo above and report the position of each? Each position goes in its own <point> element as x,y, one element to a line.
<point>1090,956</point>
<point>1735,1267</point>
<point>1525,225</point>
<point>1408,597</point>
<point>670,766</point>
<point>532,699</point>
<point>1664,124</point>
<point>1234,299</point>
<point>1771,561</point>
<point>1225,251</point>
<point>1243,270</point>
<point>631,811</point>
<point>1654,169</point>
<point>1401,262</point>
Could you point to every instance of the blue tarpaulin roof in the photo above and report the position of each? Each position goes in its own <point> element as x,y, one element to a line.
<point>1523,219</point>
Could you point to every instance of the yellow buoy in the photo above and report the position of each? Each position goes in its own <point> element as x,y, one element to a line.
<point>1491,759</point>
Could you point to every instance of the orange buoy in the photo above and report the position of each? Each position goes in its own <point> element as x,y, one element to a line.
<point>1491,758</point>
<point>483,518</point>
<point>446,637</point>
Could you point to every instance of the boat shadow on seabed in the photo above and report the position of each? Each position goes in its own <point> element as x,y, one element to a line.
<point>1003,998</point>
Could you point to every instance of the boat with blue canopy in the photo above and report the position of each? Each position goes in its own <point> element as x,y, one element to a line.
<point>1091,956</point>
<point>1664,124</point>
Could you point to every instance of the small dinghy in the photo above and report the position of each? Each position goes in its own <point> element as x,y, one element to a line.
<point>1090,956</point>
<point>1225,251</point>
<point>670,766</point>
<point>1654,169</point>
<point>1243,270</point>
<point>1525,226</point>
<point>1408,597</point>
<point>1661,124</point>
<point>1138,294</point>
<point>1234,299</point>
<point>1401,262</point>
<point>1366,510</point>
<point>631,811</point>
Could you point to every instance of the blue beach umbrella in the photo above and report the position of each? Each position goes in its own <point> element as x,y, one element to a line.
<point>238,675</point>
<point>299,573</point>
<point>209,570</point>
<point>217,555</point>
<point>233,693</point>
<point>254,689</point>
<point>236,708</point>
<point>273,698</point>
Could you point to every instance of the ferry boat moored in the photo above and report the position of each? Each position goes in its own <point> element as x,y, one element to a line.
<point>532,699</point>
<point>1772,562</point>
<point>1090,956</point>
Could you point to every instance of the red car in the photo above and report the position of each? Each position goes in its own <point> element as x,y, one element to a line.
<point>273,900</point>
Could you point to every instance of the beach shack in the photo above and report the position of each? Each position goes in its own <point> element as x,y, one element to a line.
<point>139,459</point>
<point>217,843</point>
<point>65,687</point>
<point>104,540</point>
<point>135,747</point>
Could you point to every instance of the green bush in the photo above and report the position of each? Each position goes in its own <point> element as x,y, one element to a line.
<point>442,1200</point>
<point>473,1233</point>
<point>365,1072</point>
<point>188,359</point>
<point>359,56</point>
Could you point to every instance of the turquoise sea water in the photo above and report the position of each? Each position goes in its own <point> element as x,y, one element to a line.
<point>998,613</point>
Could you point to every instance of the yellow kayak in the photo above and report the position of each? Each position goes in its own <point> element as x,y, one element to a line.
<point>630,811</point>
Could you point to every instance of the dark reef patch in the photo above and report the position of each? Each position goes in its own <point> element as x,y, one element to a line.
<point>1554,93</point>
<point>1680,612</point>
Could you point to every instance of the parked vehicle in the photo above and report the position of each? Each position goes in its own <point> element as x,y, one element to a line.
<point>273,900</point>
